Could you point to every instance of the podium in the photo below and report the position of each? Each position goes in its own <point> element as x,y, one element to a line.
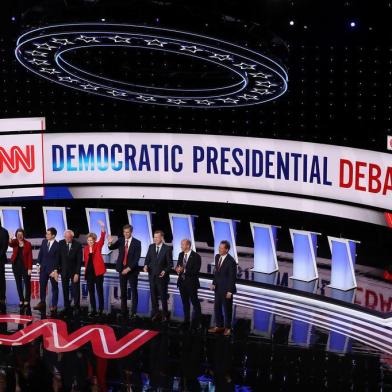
<point>264,239</point>
<point>343,261</point>
<point>304,255</point>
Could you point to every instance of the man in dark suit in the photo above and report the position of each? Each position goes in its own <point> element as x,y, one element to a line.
<point>71,257</point>
<point>127,265</point>
<point>4,239</point>
<point>188,268</point>
<point>158,263</point>
<point>224,286</point>
<point>48,266</point>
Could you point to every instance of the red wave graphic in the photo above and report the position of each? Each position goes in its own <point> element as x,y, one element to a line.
<point>56,338</point>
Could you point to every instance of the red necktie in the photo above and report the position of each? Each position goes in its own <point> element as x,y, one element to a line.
<point>125,253</point>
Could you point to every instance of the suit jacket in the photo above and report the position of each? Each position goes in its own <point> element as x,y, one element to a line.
<point>98,263</point>
<point>225,277</point>
<point>4,239</point>
<point>49,260</point>
<point>162,262</point>
<point>133,257</point>
<point>190,277</point>
<point>27,253</point>
<point>70,261</point>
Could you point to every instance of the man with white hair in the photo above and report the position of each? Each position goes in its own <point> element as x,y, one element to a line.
<point>71,257</point>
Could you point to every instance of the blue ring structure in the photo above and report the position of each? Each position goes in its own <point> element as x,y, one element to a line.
<point>258,78</point>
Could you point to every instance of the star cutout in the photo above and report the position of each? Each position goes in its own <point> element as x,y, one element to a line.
<point>117,93</point>
<point>193,49</point>
<point>87,39</point>
<point>264,84</point>
<point>204,102</point>
<point>261,91</point>
<point>89,87</point>
<point>228,100</point>
<point>38,62</point>
<point>45,46</point>
<point>118,39</point>
<point>249,97</point>
<point>221,57</point>
<point>155,42</point>
<point>245,66</point>
<point>67,79</point>
<point>50,71</point>
<point>62,41</point>
<point>260,75</point>
<point>37,53</point>
<point>176,101</point>
<point>145,99</point>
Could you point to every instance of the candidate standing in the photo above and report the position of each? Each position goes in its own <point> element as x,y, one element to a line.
<point>158,263</point>
<point>71,257</point>
<point>188,268</point>
<point>127,265</point>
<point>48,265</point>
<point>224,286</point>
<point>4,239</point>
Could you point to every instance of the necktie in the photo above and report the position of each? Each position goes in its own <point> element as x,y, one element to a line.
<point>184,261</point>
<point>125,253</point>
<point>157,250</point>
<point>220,263</point>
<point>69,247</point>
<point>48,246</point>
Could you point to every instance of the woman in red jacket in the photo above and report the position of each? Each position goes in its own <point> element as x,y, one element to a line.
<point>22,265</point>
<point>95,268</point>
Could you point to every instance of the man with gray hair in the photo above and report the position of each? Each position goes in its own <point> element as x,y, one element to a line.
<point>70,263</point>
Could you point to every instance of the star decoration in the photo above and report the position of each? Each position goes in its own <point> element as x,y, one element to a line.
<point>145,99</point>
<point>260,75</point>
<point>264,84</point>
<point>228,100</point>
<point>117,39</point>
<point>193,49</point>
<point>249,97</point>
<point>67,79</point>
<point>38,62</point>
<point>87,39</point>
<point>117,93</point>
<point>37,53</point>
<point>155,42</point>
<point>245,66</point>
<point>204,102</point>
<point>50,71</point>
<point>45,46</point>
<point>62,41</point>
<point>221,57</point>
<point>89,87</point>
<point>176,101</point>
<point>261,91</point>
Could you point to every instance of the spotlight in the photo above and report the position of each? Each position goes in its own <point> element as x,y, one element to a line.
<point>103,20</point>
<point>291,23</point>
<point>13,18</point>
<point>352,24</point>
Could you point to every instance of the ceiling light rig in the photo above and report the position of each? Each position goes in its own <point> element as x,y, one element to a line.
<point>258,78</point>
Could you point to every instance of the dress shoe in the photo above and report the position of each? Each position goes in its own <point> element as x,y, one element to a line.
<point>216,330</point>
<point>227,332</point>
<point>40,306</point>
<point>156,317</point>
<point>53,310</point>
<point>133,316</point>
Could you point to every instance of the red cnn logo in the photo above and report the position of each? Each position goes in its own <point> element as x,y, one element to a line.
<point>16,158</point>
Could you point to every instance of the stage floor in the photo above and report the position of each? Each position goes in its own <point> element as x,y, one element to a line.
<point>267,351</point>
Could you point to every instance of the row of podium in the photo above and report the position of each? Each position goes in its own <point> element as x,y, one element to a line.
<point>343,250</point>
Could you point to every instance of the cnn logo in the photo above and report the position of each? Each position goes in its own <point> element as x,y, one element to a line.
<point>14,159</point>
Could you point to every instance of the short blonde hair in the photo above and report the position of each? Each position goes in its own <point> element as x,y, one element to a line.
<point>92,235</point>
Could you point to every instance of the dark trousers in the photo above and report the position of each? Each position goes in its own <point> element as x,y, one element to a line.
<point>43,284</point>
<point>2,281</point>
<point>22,277</point>
<point>67,280</point>
<point>189,296</point>
<point>223,309</point>
<point>132,278</point>
<point>95,282</point>
<point>158,289</point>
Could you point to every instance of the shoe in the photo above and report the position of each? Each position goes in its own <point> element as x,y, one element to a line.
<point>227,332</point>
<point>156,317</point>
<point>133,316</point>
<point>53,310</point>
<point>21,304</point>
<point>40,306</point>
<point>100,312</point>
<point>93,313</point>
<point>76,311</point>
<point>216,330</point>
<point>185,324</point>
<point>26,304</point>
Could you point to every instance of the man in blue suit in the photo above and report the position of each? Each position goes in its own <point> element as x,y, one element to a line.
<point>48,265</point>
<point>127,265</point>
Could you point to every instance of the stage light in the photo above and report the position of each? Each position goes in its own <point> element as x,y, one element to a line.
<point>291,23</point>
<point>103,20</point>
<point>13,18</point>
<point>352,24</point>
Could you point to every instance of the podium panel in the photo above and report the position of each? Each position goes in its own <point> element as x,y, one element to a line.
<point>141,222</point>
<point>93,216</point>
<point>56,217</point>
<point>182,228</point>
<point>224,229</point>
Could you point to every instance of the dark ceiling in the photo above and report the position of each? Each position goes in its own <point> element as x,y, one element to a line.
<point>340,76</point>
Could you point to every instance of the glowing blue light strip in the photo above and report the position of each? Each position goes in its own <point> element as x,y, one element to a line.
<point>182,228</point>
<point>141,222</point>
<point>57,218</point>
<point>223,229</point>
